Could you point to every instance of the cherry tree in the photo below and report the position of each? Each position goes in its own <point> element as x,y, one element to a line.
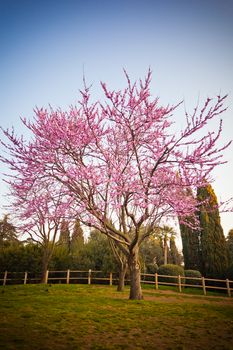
<point>121,163</point>
<point>38,208</point>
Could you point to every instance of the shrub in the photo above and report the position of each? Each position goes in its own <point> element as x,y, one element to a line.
<point>230,272</point>
<point>19,258</point>
<point>194,274</point>
<point>151,268</point>
<point>170,270</point>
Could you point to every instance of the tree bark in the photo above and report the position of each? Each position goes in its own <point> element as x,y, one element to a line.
<point>43,275</point>
<point>135,275</point>
<point>165,250</point>
<point>121,282</point>
<point>45,263</point>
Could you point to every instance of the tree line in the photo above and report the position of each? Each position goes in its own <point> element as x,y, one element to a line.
<point>205,250</point>
<point>73,251</point>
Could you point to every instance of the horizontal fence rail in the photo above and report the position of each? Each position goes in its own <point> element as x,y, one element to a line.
<point>111,278</point>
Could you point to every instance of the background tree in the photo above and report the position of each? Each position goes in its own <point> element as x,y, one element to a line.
<point>165,234</point>
<point>64,237</point>
<point>39,211</point>
<point>96,254</point>
<point>214,256</point>
<point>119,161</point>
<point>69,248</point>
<point>21,257</point>
<point>174,256</point>
<point>77,238</point>
<point>152,254</point>
<point>230,252</point>
<point>230,245</point>
<point>8,233</point>
<point>191,247</point>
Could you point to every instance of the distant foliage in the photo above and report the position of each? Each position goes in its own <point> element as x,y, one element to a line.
<point>151,255</point>
<point>170,270</point>
<point>205,249</point>
<point>192,273</point>
<point>68,253</point>
<point>174,257</point>
<point>77,238</point>
<point>191,247</point>
<point>19,258</point>
<point>230,253</point>
<point>8,233</point>
<point>99,252</point>
<point>214,254</point>
<point>230,272</point>
<point>64,238</point>
<point>230,245</point>
<point>95,254</point>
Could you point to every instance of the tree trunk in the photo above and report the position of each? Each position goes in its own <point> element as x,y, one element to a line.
<point>165,250</point>
<point>45,264</point>
<point>43,275</point>
<point>121,282</point>
<point>135,275</point>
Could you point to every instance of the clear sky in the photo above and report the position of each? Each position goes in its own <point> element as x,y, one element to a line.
<point>46,45</point>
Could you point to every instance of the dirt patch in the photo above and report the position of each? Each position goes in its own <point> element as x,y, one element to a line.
<point>168,296</point>
<point>173,297</point>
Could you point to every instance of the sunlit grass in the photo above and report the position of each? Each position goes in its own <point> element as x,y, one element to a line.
<point>98,317</point>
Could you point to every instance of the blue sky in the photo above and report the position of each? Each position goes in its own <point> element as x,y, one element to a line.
<point>46,45</point>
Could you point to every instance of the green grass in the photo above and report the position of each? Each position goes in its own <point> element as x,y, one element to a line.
<point>97,317</point>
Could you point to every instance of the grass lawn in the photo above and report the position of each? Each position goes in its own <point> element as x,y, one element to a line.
<point>97,317</point>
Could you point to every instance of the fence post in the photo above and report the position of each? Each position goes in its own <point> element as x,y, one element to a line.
<point>46,277</point>
<point>203,285</point>
<point>25,277</point>
<point>68,277</point>
<point>156,281</point>
<point>110,279</point>
<point>89,276</point>
<point>228,287</point>
<point>179,284</point>
<point>5,278</point>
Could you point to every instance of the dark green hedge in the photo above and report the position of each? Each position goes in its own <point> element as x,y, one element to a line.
<point>192,273</point>
<point>170,270</point>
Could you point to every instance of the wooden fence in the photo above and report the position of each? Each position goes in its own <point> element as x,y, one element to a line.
<point>100,277</point>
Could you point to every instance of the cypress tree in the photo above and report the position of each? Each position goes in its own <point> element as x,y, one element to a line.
<point>190,242</point>
<point>77,238</point>
<point>230,254</point>
<point>230,245</point>
<point>214,254</point>
<point>191,247</point>
<point>174,256</point>
<point>64,238</point>
<point>7,232</point>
